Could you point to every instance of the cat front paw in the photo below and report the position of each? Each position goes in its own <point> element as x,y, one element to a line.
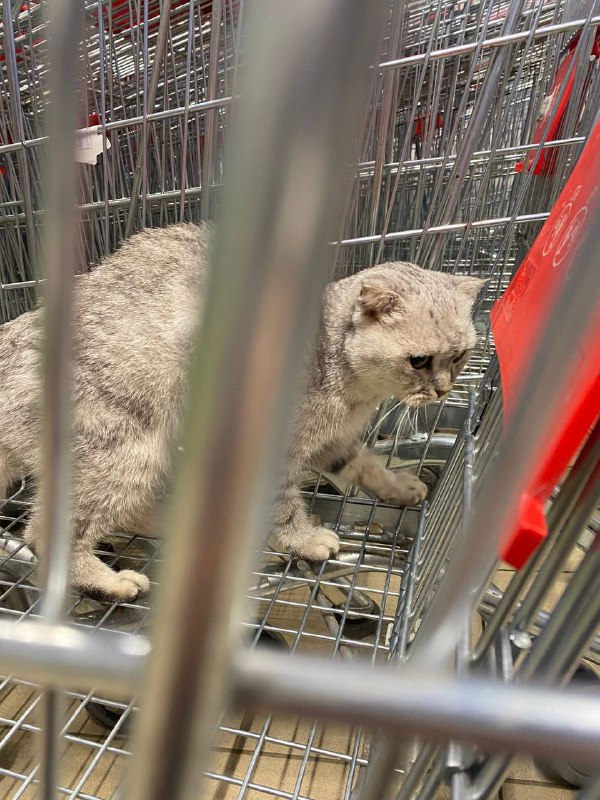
<point>405,490</point>
<point>319,545</point>
<point>115,587</point>
<point>130,584</point>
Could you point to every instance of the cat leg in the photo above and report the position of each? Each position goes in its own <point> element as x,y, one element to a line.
<point>8,475</point>
<point>91,576</point>
<point>398,488</point>
<point>92,523</point>
<point>115,488</point>
<point>146,523</point>
<point>295,533</point>
<point>87,573</point>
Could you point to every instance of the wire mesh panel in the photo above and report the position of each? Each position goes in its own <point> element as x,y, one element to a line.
<point>149,85</point>
<point>471,132</point>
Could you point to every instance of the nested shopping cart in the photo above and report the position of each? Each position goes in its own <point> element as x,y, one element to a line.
<point>455,127</point>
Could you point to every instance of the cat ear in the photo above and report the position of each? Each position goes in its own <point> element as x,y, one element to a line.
<point>469,285</point>
<point>377,301</point>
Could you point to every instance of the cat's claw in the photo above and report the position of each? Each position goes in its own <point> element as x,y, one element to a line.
<point>408,490</point>
<point>321,545</point>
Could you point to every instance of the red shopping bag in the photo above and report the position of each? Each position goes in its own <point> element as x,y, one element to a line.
<point>518,320</point>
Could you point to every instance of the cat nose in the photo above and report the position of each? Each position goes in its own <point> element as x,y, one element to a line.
<point>441,392</point>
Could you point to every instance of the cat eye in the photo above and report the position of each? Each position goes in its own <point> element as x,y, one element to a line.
<point>420,362</point>
<point>459,357</point>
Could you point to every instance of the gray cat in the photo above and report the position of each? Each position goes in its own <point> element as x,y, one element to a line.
<point>392,329</point>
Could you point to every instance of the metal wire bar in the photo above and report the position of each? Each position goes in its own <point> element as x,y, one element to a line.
<point>59,241</point>
<point>451,227</point>
<point>496,41</point>
<point>387,752</point>
<point>499,63</point>
<point>211,117</point>
<point>252,244</point>
<point>152,116</point>
<point>494,510</point>
<point>267,724</point>
<point>425,755</point>
<point>572,625</point>
<point>551,554</point>
<point>430,704</point>
<point>457,758</point>
<point>63,656</point>
<point>365,167</point>
<point>149,100</point>
<point>383,754</point>
<point>591,791</point>
<point>15,99</point>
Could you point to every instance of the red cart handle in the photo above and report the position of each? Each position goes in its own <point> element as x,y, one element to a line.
<point>518,320</point>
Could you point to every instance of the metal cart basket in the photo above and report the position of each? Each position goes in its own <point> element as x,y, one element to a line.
<point>436,132</point>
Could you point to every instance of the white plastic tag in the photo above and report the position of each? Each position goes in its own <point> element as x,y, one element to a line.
<point>88,145</point>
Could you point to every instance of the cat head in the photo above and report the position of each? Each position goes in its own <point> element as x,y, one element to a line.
<point>411,331</point>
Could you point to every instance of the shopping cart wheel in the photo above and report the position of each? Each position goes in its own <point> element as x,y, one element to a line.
<point>359,627</point>
<point>430,475</point>
<point>569,771</point>
<point>272,639</point>
<point>107,717</point>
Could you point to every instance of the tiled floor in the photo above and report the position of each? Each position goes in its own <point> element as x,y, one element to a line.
<point>280,767</point>
<point>537,789</point>
<point>81,769</point>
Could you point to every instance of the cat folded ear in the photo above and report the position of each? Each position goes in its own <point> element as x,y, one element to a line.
<point>469,285</point>
<point>377,301</point>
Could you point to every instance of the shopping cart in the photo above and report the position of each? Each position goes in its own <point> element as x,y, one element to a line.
<point>477,113</point>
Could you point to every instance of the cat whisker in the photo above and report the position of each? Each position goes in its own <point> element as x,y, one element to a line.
<point>404,423</point>
<point>415,422</point>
